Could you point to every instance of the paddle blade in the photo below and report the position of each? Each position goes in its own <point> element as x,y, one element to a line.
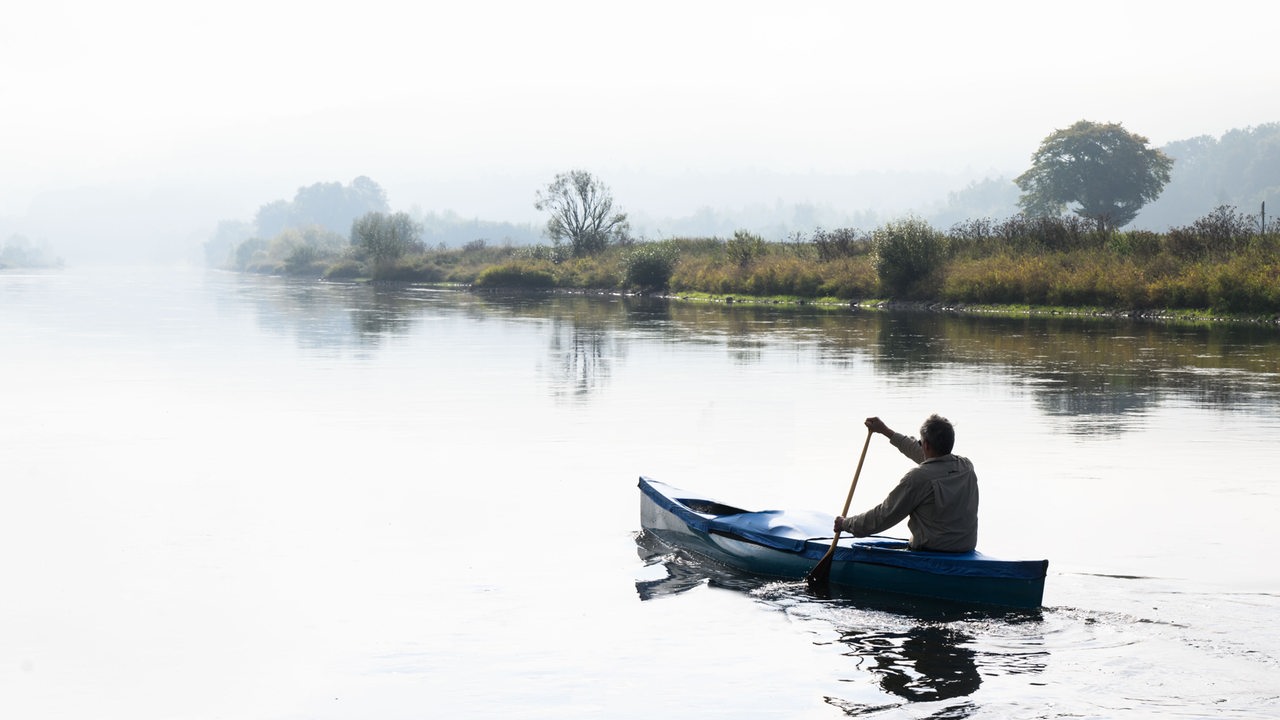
<point>820,575</point>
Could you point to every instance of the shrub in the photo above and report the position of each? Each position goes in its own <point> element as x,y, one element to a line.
<point>907,252</point>
<point>517,275</point>
<point>303,260</point>
<point>344,269</point>
<point>416,268</point>
<point>1136,243</point>
<point>840,243</point>
<point>650,265</point>
<point>1225,229</point>
<point>744,248</point>
<point>1220,233</point>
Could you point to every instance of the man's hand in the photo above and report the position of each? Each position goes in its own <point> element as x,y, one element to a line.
<point>839,526</point>
<point>875,424</point>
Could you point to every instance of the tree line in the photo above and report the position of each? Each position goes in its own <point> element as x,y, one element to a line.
<point>1066,246</point>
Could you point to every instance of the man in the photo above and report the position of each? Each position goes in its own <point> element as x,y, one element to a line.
<point>940,495</point>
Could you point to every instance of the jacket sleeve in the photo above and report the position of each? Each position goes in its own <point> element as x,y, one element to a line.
<point>908,446</point>
<point>905,496</point>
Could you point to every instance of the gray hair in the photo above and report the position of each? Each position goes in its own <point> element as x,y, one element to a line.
<point>939,433</point>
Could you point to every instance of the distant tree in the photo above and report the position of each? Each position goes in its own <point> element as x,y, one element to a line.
<point>273,218</point>
<point>366,195</point>
<point>219,249</point>
<point>333,206</point>
<point>330,205</point>
<point>1106,171</point>
<point>990,197</point>
<point>581,210</point>
<point>323,204</point>
<point>1241,169</point>
<point>250,252</point>
<point>19,251</point>
<point>386,238</point>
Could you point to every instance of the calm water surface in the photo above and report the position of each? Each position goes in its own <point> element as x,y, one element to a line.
<point>242,497</point>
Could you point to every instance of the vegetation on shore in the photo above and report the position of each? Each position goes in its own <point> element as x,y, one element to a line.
<point>1223,265</point>
<point>1065,248</point>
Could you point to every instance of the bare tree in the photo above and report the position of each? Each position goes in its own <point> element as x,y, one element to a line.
<point>581,210</point>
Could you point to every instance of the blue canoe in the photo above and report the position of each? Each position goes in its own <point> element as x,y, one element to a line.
<point>789,543</point>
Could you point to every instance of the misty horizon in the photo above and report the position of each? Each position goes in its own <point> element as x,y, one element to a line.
<point>132,130</point>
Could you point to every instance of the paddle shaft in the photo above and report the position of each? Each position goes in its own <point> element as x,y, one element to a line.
<point>822,570</point>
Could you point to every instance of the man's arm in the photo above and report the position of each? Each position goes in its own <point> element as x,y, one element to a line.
<point>906,445</point>
<point>904,498</point>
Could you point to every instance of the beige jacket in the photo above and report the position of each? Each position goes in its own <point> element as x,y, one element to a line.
<point>940,495</point>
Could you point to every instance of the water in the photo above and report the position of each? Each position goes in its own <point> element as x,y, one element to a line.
<point>242,497</point>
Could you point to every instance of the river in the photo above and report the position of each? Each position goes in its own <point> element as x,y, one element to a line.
<point>232,496</point>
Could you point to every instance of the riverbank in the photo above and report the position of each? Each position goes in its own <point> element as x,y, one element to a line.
<point>1216,270</point>
<point>1166,315</point>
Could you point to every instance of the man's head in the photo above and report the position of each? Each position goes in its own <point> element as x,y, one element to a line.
<point>938,433</point>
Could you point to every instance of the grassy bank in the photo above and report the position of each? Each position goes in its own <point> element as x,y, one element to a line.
<point>1218,267</point>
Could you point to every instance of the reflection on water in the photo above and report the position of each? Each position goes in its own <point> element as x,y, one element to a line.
<point>1092,373</point>
<point>331,316</point>
<point>921,664</point>
<point>580,357</point>
<point>920,650</point>
<point>683,572</point>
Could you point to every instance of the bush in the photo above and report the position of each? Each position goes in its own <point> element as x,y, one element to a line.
<point>840,243</point>
<point>650,266</point>
<point>744,248</point>
<point>907,252</point>
<point>303,260</point>
<point>411,269</point>
<point>517,275</point>
<point>1135,243</point>
<point>1220,233</point>
<point>344,269</point>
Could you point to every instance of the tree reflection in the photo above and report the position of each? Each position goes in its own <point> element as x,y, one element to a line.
<point>1093,374</point>
<point>580,358</point>
<point>330,316</point>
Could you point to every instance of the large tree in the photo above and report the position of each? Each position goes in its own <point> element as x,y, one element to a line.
<point>1105,171</point>
<point>581,210</point>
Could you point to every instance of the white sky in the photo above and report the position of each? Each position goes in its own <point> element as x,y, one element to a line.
<point>266,96</point>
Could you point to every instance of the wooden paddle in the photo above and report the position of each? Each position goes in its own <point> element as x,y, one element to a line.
<point>821,572</point>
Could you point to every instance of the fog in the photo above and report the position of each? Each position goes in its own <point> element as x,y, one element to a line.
<point>130,129</point>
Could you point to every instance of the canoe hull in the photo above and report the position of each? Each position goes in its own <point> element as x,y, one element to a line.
<point>788,544</point>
